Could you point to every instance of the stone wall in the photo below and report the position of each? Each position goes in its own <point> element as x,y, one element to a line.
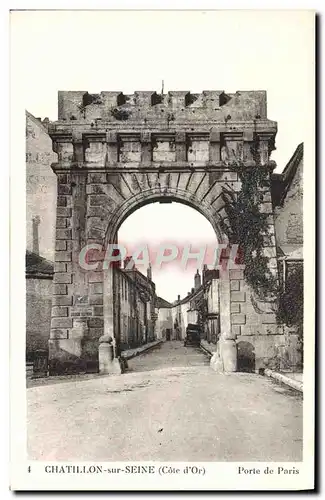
<point>41,193</point>
<point>212,297</point>
<point>255,326</point>
<point>241,105</point>
<point>288,202</point>
<point>38,314</point>
<point>192,317</point>
<point>136,324</point>
<point>289,215</point>
<point>117,153</point>
<point>41,196</point>
<point>164,322</point>
<point>212,307</point>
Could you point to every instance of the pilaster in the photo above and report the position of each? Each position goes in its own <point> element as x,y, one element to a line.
<point>180,140</point>
<point>214,147</point>
<point>265,146</point>
<point>146,148</point>
<point>112,148</point>
<point>232,146</point>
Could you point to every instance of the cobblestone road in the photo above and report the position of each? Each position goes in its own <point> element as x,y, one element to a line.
<point>169,406</point>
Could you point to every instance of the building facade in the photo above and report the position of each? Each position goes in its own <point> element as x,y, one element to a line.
<point>287,199</point>
<point>135,314</point>
<point>201,306</point>
<point>41,189</point>
<point>164,315</point>
<point>41,198</point>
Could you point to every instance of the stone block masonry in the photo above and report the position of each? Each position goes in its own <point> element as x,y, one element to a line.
<point>237,300</point>
<point>118,152</point>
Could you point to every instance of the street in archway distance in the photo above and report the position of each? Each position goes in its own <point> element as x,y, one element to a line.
<point>168,406</point>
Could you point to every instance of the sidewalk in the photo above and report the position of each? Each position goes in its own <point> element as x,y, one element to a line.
<point>131,353</point>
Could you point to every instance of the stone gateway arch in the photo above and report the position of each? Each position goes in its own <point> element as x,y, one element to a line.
<point>119,152</point>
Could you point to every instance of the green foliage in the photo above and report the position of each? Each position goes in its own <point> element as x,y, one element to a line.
<point>248,227</point>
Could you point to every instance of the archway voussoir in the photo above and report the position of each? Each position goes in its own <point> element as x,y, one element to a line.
<point>153,195</point>
<point>143,181</point>
<point>218,204</point>
<point>212,193</point>
<point>183,180</point>
<point>203,186</point>
<point>152,179</point>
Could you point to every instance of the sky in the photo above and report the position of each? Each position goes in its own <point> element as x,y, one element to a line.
<point>174,225</point>
<point>190,50</point>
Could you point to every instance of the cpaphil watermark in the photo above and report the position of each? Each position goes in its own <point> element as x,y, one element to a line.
<point>214,256</point>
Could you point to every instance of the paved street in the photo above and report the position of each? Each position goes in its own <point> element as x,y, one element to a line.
<point>169,406</point>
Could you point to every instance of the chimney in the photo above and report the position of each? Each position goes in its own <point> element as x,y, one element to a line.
<point>192,290</point>
<point>197,280</point>
<point>149,273</point>
<point>117,263</point>
<point>129,263</point>
<point>178,298</point>
<point>204,272</point>
<point>36,222</point>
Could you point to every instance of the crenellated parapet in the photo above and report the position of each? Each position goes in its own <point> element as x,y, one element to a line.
<point>209,105</point>
<point>177,129</point>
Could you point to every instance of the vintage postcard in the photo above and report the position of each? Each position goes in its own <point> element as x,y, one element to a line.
<point>162,213</point>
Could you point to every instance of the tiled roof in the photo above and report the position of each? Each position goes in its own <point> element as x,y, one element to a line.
<point>36,121</point>
<point>162,303</point>
<point>282,182</point>
<point>292,252</point>
<point>38,266</point>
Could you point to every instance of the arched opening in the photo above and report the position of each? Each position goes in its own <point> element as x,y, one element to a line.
<point>168,196</point>
<point>154,298</point>
<point>245,357</point>
<point>166,225</point>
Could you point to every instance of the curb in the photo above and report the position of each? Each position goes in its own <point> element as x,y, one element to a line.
<point>128,354</point>
<point>206,350</point>
<point>294,384</point>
